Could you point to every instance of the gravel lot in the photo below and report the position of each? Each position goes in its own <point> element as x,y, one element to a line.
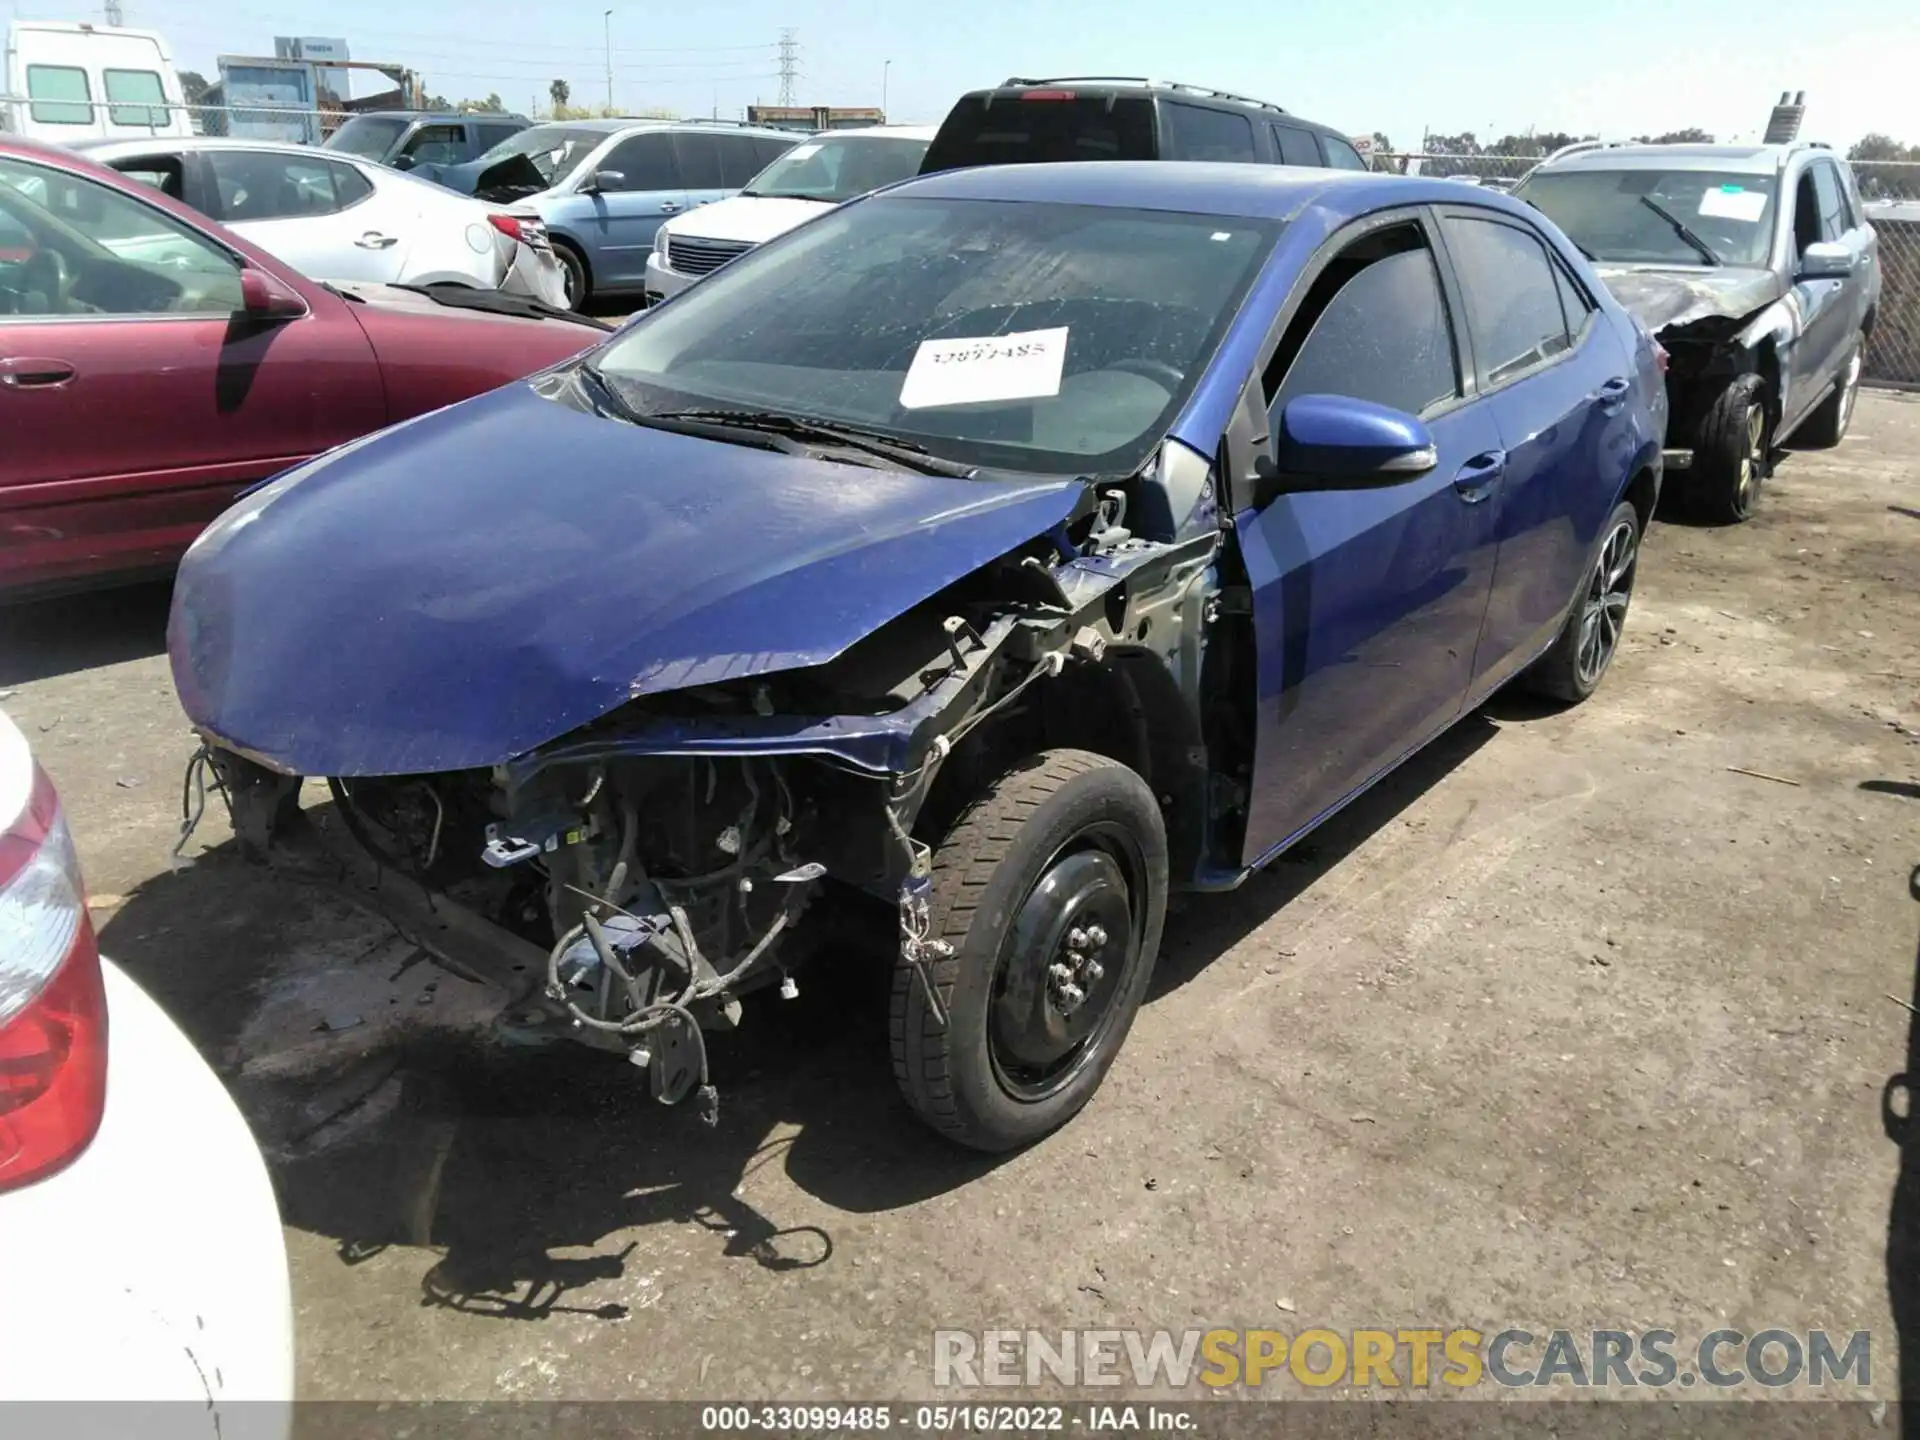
<point>1568,1024</point>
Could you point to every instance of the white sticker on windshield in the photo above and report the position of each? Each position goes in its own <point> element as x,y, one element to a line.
<point>1022,366</point>
<point>1733,204</point>
<point>800,152</point>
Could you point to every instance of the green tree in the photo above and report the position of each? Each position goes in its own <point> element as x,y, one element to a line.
<point>559,92</point>
<point>1876,146</point>
<point>1692,136</point>
<point>492,105</point>
<point>194,87</point>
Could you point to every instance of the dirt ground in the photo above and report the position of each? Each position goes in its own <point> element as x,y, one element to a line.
<point>1568,1024</point>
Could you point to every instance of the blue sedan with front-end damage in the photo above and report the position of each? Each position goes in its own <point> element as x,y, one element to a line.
<point>1007,548</point>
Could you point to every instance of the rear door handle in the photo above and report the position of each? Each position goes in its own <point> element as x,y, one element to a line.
<point>29,372</point>
<point>374,240</point>
<point>1613,395</point>
<point>1474,481</point>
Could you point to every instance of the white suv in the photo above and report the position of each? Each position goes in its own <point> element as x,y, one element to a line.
<point>808,180</point>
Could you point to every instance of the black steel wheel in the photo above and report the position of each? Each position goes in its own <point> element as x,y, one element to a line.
<point>1050,893</point>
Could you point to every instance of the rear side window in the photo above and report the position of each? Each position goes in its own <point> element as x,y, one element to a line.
<point>1341,155</point>
<point>1296,146</point>
<point>492,134</point>
<point>1197,133</point>
<point>1013,130</point>
<point>1383,335</point>
<point>260,185</point>
<point>60,95</point>
<point>739,160</point>
<point>1512,295</point>
<point>136,97</point>
<point>644,162</point>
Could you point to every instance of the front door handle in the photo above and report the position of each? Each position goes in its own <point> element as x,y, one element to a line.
<point>1474,481</point>
<point>29,372</point>
<point>1613,395</point>
<point>669,207</point>
<point>374,240</point>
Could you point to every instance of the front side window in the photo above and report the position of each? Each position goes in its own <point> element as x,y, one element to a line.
<point>253,185</point>
<point>1198,133</point>
<point>135,98</point>
<point>78,248</point>
<point>838,168</point>
<point>1659,217</point>
<point>644,162</point>
<point>1832,203</point>
<point>1374,327</point>
<point>1041,337</point>
<point>59,94</point>
<point>368,136</point>
<point>437,144</point>
<point>1512,297</point>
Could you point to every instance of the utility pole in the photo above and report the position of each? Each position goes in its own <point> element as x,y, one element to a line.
<point>885,68</point>
<point>114,17</point>
<point>789,54</point>
<point>608,17</point>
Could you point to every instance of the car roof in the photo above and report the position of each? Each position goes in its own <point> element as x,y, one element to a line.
<point>162,144</point>
<point>433,115</point>
<point>1275,192</point>
<point>879,132</point>
<point>1739,159</point>
<point>620,125</point>
<point>1145,88</point>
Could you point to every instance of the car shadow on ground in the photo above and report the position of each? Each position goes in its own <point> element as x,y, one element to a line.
<point>1902,1126</point>
<point>501,1159</point>
<point>44,638</point>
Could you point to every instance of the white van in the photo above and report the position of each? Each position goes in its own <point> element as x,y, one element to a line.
<point>66,82</point>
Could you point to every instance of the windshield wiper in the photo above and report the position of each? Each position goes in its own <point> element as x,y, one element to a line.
<point>820,432</point>
<point>1680,228</point>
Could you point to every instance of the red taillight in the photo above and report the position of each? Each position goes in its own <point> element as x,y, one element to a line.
<point>1048,95</point>
<point>53,1010</point>
<point>1660,357</point>
<point>508,225</point>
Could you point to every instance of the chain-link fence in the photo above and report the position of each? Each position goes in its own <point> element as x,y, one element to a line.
<point>294,124</point>
<point>1890,188</point>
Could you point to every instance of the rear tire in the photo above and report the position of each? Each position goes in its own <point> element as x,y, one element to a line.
<point>579,279</point>
<point>1060,868</point>
<point>1732,453</point>
<point>1827,426</point>
<point>1573,669</point>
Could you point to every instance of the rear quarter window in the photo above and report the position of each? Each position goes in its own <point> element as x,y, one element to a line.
<point>1009,130</point>
<point>1194,132</point>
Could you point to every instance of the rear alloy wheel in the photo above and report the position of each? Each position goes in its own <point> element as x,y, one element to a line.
<point>1827,426</point>
<point>1050,892</point>
<point>1733,453</point>
<point>1573,668</point>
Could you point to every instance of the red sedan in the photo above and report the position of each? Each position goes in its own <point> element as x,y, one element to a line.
<point>152,365</point>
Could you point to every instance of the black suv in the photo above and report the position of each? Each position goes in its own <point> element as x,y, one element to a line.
<point>1109,117</point>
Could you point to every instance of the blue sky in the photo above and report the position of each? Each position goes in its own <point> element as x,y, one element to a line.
<point>1401,66</point>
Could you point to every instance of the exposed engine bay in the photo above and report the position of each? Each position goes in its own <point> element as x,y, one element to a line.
<point>663,861</point>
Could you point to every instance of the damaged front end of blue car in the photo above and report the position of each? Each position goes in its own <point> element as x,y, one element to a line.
<point>613,714</point>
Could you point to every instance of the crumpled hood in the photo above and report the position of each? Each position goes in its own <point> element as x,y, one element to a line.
<point>459,589</point>
<point>1660,299</point>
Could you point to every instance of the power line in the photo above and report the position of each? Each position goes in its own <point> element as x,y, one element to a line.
<point>304,23</point>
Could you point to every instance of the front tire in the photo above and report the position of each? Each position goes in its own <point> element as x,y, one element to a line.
<point>1732,453</point>
<point>1827,426</point>
<point>1051,891</point>
<point>1579,660</point>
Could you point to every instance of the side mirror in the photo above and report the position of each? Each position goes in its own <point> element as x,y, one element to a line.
<point>1335,442</point>
<point>1825,260</point>
<point>404,162</point>
<point>603,180</point>
<point>267,297</point>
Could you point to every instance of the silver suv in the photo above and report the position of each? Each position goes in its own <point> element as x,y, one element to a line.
<point>1756,269</point>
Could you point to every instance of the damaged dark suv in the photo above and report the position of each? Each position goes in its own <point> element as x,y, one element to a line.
<point>988,557</point>
<point>1756,269</point>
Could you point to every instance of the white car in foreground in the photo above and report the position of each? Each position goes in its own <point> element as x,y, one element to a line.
<point>810,179</point>
<point>333,216</point>
<point>140,1244</point>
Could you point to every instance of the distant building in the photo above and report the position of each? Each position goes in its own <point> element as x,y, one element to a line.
<point>333,79</point>
<point>808,118</point>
